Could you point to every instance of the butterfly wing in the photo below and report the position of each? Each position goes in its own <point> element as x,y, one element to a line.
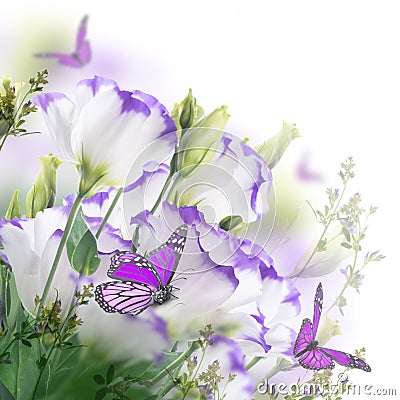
<point>304,338</point>
<point>316,359</point>
<point>81,35</point>
<point>65,59</point>
<point>82,46</point>
<point>345,359</point>
<point>123,297</point>
<point>133,267</point>
<point>165,258</point>
<point>318,300</point>
<point>82,52</point>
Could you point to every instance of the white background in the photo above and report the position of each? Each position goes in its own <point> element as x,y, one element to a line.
<point>331,67</point>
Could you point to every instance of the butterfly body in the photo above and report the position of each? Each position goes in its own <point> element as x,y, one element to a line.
<point>143,281</point>
<point>162,294</point>
<point>312,356</point>
<point>312,346</point>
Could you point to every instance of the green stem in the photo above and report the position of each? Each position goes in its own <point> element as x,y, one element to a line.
<point>253,362</point>
<point>4,140</point>
<point>197,371</point>
<point>63,241</point>
<point>177,363</point>
<point>296,275</point>
<point>352,268</point>
<point>135,237</point>
<point>109,212</point>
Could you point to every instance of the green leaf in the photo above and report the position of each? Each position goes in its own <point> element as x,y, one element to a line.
<point>27,343</point>
<point>110,374</point>
<point>346,245</point>
<point>99,379</point>
<point>346,234</point>
<point>101,393</point>
<point>20,376</point>
<point>82,247</point>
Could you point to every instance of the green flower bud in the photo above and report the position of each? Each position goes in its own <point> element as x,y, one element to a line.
<point>13,209</point>
<point>199,143</point>
<point>6,82</point>
<point>272,149</point>
<point>43,192</point>
<point>328,330</point>
<point>187,112</point>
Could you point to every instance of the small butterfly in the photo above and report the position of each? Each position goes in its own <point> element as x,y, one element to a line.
<point>82,53</point>
<point>142,281</point>
<point>312,356</point>
<point>305,174</point>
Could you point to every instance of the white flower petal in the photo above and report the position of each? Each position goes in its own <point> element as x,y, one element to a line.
<point>60,116</point>
<point>24,262</point>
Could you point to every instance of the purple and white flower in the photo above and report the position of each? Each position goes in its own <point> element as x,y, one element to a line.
<point>30,246</point>
<point>106,129</point>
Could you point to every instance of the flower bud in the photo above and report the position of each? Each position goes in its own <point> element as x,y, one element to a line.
<point>43,192</point>
<point>6,82</point>
<point>199,143</point>
<point>328,330</point>
<point>272,149</point>
<point>187,112</point>
<point>13,209</point>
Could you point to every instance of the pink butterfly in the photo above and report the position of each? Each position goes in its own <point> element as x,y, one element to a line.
<point>142,281</point>
<point>312,356</point>
<point>80,56</point>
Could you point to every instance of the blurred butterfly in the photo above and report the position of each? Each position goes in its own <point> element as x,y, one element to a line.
<point>81,54</point>
<point>312,356</point>
<point>142,281</point>
<point>304,173</point>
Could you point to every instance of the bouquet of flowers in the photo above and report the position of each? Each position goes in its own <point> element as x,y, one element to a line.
<point>157,278</point>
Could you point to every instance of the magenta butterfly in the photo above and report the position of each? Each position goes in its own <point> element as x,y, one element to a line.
<point>142,281</point>
<point>312,356</point>
<point>81,54</point>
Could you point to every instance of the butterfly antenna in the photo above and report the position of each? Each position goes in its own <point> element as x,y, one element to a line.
<point>180,278</point>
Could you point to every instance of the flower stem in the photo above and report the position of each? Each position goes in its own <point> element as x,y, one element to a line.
<point>296,275</point>
<point>63,241</point>
<point>178,362</point>
<point>109,212</point>
<point>253,362</point>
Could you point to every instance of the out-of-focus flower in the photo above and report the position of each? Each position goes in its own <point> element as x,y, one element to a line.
<point>272,149</point>
<point>30,246</point>
<point>43,192</point>
<point>265,332</point>
<point>105,130</point>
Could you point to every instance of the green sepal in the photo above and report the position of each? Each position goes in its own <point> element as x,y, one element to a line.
<point>13,209</point>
